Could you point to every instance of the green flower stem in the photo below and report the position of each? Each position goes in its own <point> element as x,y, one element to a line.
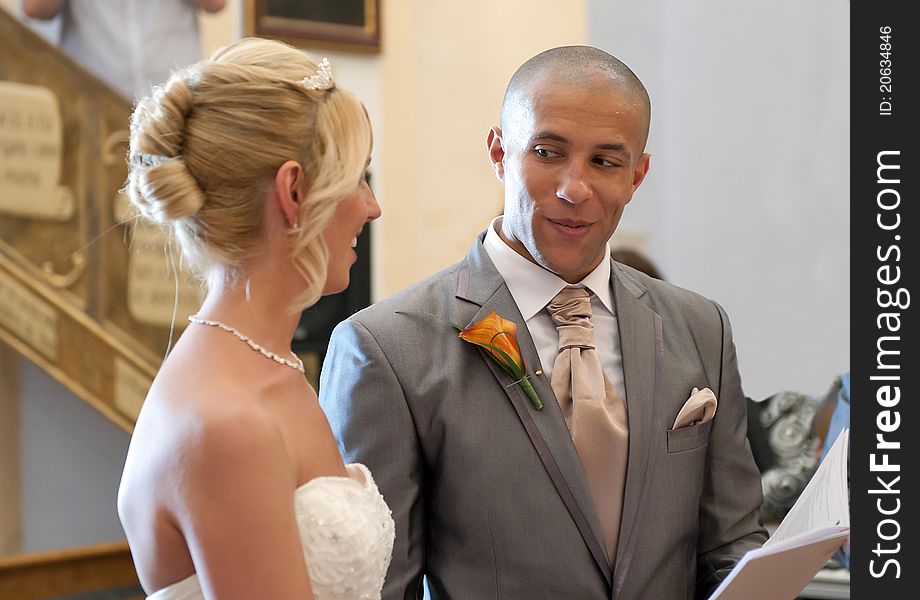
<point>508,364</point>
<point>531,393</point>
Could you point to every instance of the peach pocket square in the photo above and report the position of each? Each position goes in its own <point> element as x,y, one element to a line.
<point>701,407</point>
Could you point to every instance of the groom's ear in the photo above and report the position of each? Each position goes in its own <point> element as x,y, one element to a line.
<point>496,152</point>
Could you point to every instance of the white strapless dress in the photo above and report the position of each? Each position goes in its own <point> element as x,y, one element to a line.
<point>346,531</point>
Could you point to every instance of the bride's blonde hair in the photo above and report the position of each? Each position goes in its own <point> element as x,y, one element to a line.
<point>206,145</point>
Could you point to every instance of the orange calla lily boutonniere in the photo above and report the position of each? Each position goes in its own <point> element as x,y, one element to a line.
<point>498,337</point>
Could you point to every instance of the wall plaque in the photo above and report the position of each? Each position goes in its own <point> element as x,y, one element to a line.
<point>130,387</point>
<point>30,154</point>
<point>152,282</point>
<point>28,317</point>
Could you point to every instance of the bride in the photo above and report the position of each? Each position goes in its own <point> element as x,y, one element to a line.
<point>254,161</point>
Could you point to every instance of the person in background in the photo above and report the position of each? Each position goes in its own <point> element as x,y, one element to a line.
<point>233,487</point>
<point>128,44</point>
<point>839,420</point>
<point>840,417</point>
<point>636,260</point>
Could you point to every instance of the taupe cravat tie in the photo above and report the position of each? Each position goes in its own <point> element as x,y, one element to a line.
<point>593,410</point>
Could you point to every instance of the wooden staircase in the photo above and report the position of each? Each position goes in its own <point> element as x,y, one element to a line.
<point>84,294</point>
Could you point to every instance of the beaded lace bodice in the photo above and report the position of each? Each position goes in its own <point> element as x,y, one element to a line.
<point>346,532</point>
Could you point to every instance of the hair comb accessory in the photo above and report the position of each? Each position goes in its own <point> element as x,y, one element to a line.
<point>148,160</point>
<point>322,79</point>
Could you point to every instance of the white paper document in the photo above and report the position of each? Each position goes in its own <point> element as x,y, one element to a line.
<point>816,526</point>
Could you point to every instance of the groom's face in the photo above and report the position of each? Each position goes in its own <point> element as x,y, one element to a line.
<point>570,157</point>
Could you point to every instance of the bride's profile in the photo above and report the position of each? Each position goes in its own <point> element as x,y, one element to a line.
<point>254,162</point>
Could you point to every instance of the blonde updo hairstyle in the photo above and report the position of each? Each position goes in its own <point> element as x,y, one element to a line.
<point>206,146</point>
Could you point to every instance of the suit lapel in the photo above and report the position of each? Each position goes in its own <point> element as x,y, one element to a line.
<point>641,345</point>
<point>480,283</point>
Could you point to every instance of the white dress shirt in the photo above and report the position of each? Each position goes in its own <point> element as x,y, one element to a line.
<point>131,44</point>
<point>533,287</point>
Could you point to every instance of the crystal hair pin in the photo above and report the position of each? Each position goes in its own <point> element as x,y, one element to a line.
<point>322,79</point>
<point>148,160</point>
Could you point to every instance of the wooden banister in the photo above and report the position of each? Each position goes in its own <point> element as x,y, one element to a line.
<point>72,571</point>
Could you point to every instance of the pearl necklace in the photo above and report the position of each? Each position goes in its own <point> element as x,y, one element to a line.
<point>295,364</point>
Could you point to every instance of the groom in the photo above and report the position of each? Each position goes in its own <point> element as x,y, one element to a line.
<point>634,480</point>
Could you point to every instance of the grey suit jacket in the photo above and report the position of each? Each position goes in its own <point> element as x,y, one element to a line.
<point>488,495</point>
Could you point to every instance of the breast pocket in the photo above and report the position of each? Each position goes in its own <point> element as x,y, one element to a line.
<point>689,438</point>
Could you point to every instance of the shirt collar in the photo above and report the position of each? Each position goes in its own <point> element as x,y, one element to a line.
<point>532,286</point>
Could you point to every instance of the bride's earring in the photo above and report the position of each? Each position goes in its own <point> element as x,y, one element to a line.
<point>293,219</point>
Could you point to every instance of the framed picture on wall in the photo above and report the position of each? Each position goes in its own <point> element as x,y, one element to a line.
<point>340,24</point>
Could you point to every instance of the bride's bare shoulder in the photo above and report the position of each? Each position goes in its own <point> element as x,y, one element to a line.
<point>211,423</point>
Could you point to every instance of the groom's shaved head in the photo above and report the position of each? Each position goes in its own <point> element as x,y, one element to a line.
<point>574,65</point>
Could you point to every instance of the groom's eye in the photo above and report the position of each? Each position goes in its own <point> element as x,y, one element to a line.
<point>603,161</point>
<point>545,152</point>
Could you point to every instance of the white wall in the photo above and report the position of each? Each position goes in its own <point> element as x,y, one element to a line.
<point>444,71</point>
<point>72,459</point>
<point>747,200</point>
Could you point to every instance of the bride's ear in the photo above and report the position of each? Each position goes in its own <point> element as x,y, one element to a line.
<point>289,191</point>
